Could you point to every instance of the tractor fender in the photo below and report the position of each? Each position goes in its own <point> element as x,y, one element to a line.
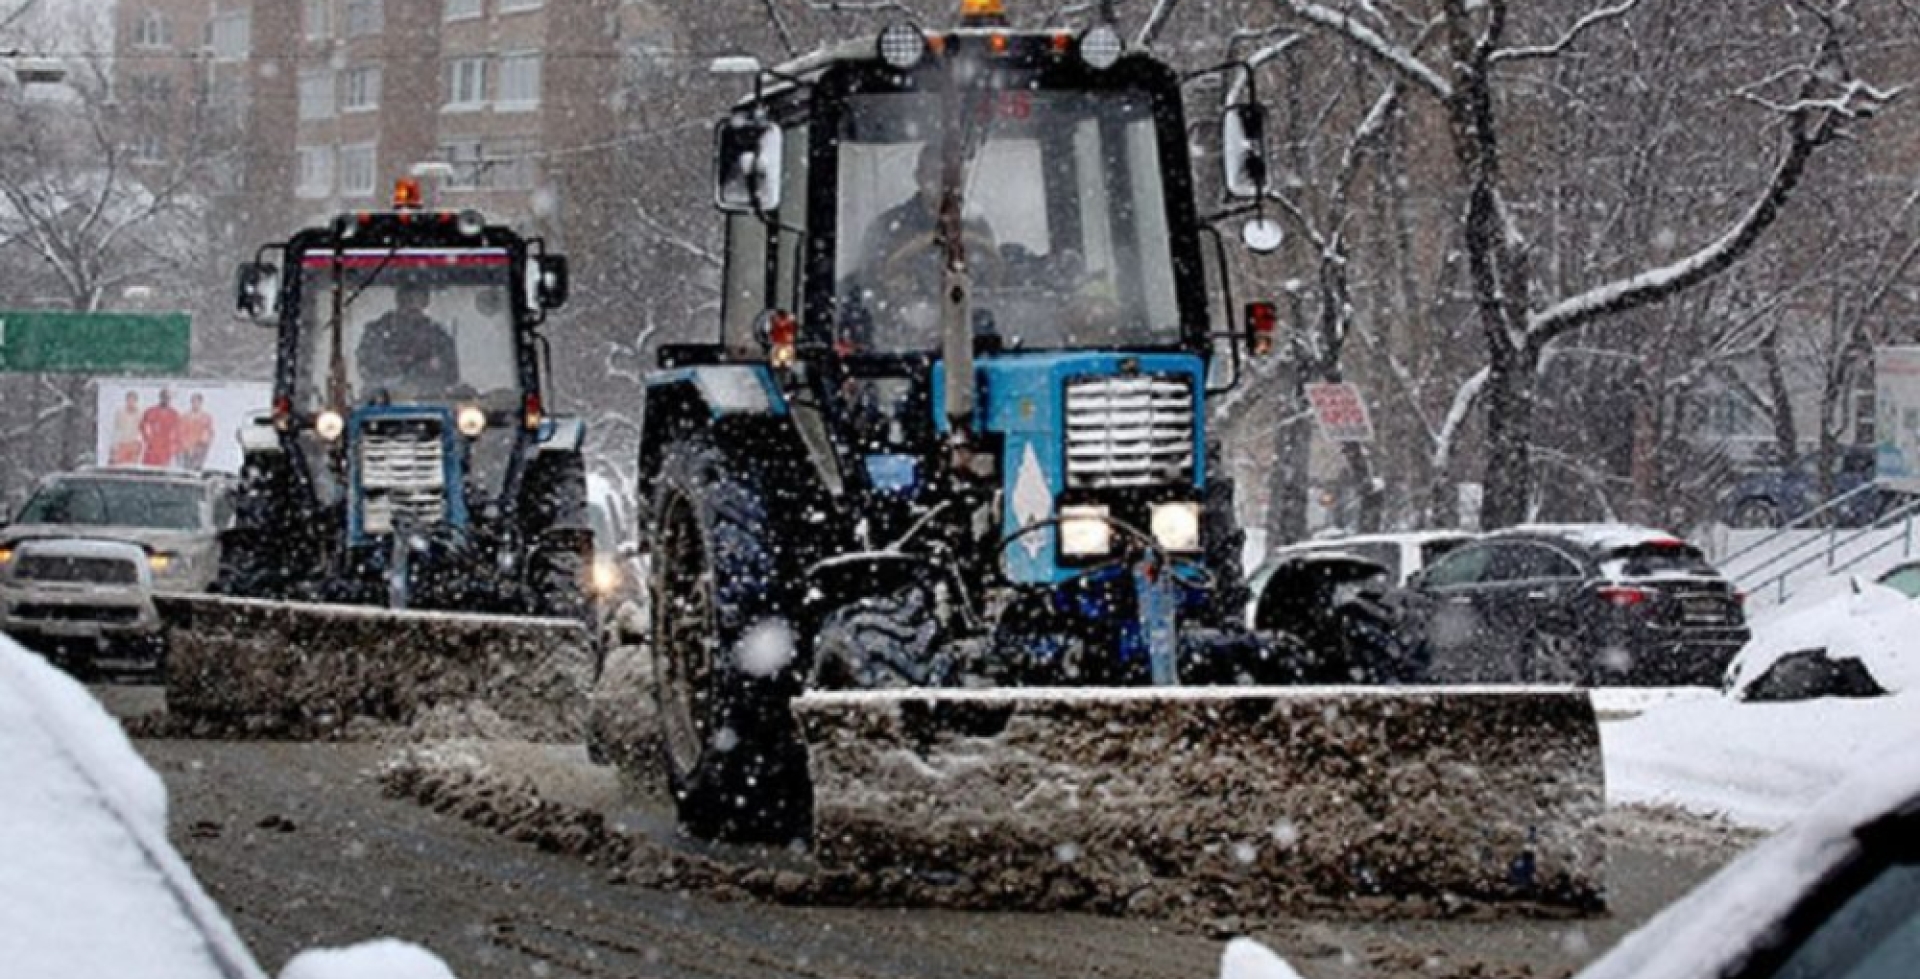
<point>560,435</point>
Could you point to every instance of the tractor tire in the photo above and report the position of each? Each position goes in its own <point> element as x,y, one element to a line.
<point>261,552</point>
<point>554,504</point>
<point>1223,539</point>
<point>880,642</point>
<point>724,652</point>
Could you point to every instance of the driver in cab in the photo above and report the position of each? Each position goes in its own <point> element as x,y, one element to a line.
<point>897,289</point>
<point>405,346</point>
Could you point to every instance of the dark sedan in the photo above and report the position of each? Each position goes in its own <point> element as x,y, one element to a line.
<point>1583,604</point>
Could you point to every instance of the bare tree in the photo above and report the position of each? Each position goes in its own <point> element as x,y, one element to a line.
<point>1461,57</point>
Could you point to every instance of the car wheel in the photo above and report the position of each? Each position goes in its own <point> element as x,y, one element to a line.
<point>1559,659</point>
<point>1756,514</point>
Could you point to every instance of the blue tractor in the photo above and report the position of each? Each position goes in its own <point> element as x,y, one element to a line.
<point>948,452</point>
<point>409,463</point>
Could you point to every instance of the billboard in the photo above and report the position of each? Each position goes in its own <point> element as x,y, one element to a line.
<point>178,423</point>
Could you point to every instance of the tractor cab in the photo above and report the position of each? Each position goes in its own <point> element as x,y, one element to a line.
<point>409,389</point>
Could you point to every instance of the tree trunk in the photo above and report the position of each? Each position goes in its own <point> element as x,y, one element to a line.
<point>1508,490</point>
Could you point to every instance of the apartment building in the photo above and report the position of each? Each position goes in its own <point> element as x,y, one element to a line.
<point>507,106</point>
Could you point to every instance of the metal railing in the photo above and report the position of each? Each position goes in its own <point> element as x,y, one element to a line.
<point>1835,547</point>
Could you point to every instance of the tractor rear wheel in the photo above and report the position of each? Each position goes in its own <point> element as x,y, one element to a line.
<point>724,652</point>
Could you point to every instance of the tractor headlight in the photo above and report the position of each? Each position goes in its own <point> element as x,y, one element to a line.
<point>471,421</point>
<point>606,577</point>
<point>329,425</point>
<point>902,46</point>
<point>1084,531</point>
<point>1177,526</point>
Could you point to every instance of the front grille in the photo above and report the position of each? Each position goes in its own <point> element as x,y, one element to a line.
<point>402,473</point>
<point>1129,431</point>
<point>108,614</point>
<point>77,570</point>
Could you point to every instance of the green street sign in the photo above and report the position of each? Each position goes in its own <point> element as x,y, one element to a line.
<point>42,341</point>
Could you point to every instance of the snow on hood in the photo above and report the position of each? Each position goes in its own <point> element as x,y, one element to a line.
<point>1853,619</point>
<point>92,887</point>
<point>1714,925</point>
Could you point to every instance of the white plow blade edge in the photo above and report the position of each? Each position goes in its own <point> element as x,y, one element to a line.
<point>1409,800</point>
<point>303,669</point>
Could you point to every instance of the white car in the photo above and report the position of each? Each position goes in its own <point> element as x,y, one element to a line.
<point>1400,555</point>
<point>79,564</point>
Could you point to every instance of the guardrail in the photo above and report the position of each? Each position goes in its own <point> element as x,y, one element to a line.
<point>1836,547</point>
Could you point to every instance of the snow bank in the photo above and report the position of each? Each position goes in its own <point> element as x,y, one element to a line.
<point>385,958</point>
<point>1245,958</point>
<point>1756,764</point>
<point>1850,619</point>
<point>92,887</point>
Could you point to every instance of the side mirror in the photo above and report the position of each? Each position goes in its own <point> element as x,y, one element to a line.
<point>1243,142</point>
<point>550,290</point>
<point>257,291</point>
<point>747,166</point>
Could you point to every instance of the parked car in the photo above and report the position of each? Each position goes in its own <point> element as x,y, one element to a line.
<point>1575,603</point>
<point>1847,637</point>
<point>1775,496</point>
<point>79,563</point>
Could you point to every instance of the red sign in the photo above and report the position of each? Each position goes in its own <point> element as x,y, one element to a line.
<point>1341,412</point>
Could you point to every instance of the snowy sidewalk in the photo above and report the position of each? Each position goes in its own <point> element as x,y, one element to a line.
<point>1757,765</point>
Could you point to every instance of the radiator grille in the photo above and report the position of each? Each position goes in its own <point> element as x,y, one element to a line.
<point>402,473</point>
<point>77,570</point>
<point>1129,431</point>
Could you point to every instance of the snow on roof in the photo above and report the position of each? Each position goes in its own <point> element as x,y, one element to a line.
<point>92,886</point>
<point>1711,927</point>
<point>1601,536</point>
<point>1402,537</point>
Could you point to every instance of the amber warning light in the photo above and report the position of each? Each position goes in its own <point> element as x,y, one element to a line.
<point>983,11</point>
<point>406,194</point>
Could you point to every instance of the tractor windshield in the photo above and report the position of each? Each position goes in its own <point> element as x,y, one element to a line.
<point>1066,221</point>
<point>417,326</point>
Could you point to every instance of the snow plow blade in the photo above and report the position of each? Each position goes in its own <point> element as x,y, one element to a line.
<point>1403,801</point>
<point>308,670</point>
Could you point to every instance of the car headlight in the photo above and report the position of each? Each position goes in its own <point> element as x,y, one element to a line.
<point>6,556</point>
<point>160,562</point>
<point>471,421</point>
<point>606,576</point>
<point>329,425</point>
<point>1084,531</point>
<point>1176,526</point>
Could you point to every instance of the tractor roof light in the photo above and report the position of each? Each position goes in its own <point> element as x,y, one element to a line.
<point>406,194</point>
<point>1101,47</point>
<point>902,46</point>
<point>983,12</point>
<point>470,223</point>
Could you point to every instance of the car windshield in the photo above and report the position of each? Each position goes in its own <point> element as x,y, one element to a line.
<point>1905,580</point>
<point>1066,227</point>
<point>417,326</point>
<point>117,503</point>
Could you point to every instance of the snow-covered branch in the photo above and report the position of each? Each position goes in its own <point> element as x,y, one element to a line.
<point>1581,26</point>
<point>1399,59</point>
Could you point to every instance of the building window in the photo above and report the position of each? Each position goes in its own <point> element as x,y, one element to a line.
<point>509,6</point>
<point>519,82</point>
<point>356,170</point>
<point>364,17</point>
<point>150,147</point>
<point>466,83</point>
<point>154,89</point>
<point>316,172</point>
<point>316,94</point>
<point>508,165</point>
<point>230,35</point>
<point>462,9</point>
<point>151,30</point>
<point>464,156</point>
<point>360,91</point>
<point>317,17</point>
